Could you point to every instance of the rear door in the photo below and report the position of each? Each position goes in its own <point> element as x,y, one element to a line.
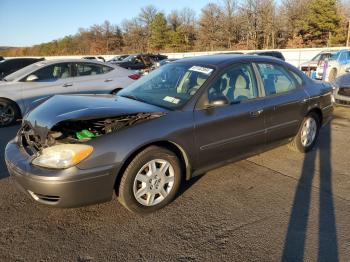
<point>52,80</point>
<point>285,102</point>
<point>233,131</point>
<point>93,78</point>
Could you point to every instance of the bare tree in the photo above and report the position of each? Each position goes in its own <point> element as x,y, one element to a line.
<point>210,26</point>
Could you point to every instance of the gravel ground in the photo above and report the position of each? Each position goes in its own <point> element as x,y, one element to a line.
<point>280,205</point>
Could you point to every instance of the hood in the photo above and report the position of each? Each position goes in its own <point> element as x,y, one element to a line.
<point>82,107</point>
<point>342,81</point>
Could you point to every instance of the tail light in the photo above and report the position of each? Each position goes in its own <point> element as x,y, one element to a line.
<point>134,76</point>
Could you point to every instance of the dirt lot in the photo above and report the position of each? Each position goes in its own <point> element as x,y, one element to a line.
<point>280,205</point>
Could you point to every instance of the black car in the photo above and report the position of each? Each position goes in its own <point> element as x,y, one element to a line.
<point>117,59</point>
<point>97,58</point>
<point>276,54</point>
<point>181,120</point>
<point>140,61</point>
<point>9,66</point>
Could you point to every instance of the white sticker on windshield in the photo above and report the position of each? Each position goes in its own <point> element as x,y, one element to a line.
<point>201,69</point>
<point>171,99</point>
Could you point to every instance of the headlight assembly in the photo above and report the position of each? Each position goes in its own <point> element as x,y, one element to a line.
<point>62,156</point>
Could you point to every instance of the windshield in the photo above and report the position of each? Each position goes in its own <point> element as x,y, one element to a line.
<point>129,58</point>
<point>170,86</point>
<point>335,56</point>
<point>321,56</point>
<point>22,72</point>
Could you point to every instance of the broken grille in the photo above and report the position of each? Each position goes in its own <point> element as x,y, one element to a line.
<point>29,140</point>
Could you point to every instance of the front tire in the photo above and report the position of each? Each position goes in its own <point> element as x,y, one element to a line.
<point>9,112</point>
<point>151,181</point>
<point>307,135</point>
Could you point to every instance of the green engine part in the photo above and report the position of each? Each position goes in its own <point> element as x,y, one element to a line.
<point>85,134</point>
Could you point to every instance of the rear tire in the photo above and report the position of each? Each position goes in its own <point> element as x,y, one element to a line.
<point>307,135</point>
<point>9,112</point>
<point>151,180</point>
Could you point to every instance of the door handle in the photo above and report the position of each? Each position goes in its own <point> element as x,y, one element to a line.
<point>67,84</point>
<point>108,80</point>
<point>256,113</point>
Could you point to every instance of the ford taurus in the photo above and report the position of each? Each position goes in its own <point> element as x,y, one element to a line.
<point>180,121</point>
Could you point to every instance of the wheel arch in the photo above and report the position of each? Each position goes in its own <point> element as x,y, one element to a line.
<point>15,103</point>
<point>172,146</point>
<point>318,112</point>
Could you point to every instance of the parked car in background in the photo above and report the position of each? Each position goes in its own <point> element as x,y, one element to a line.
<point>275,54</point>
<point>140,61</point>
<point>341,89</point>
<point>166,61</point>
<point>8,66</point>
<point>181,120</point>
<point>314,67</point>
<point>32,85</point>
<point>117,58</point>
<point>97,58</point>
<point>337,64</point>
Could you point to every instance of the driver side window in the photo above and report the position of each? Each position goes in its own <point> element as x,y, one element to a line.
<point>236,85</point>
<point>54,72</point>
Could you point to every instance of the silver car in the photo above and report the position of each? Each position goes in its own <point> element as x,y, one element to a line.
<point>27,88</point>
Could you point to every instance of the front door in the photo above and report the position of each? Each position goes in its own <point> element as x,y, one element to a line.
<point>226,133</point>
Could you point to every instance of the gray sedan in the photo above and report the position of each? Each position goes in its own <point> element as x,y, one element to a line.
<point>341,89</point>
<point>27,88</point>
<point>181,120</point>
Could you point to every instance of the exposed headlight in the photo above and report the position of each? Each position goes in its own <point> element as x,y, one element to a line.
<point>62,156</point>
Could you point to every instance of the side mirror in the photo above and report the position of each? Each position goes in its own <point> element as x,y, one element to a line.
<point>347,70</point>
<point>218,102</point>
<point>31,78</point>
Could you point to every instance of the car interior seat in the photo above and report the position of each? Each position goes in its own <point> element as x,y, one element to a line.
<point>65,73</point>
<point>239,86</point>
<point>242,89</point>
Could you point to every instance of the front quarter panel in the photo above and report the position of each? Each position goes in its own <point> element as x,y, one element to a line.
<point>116,147</point>
<point>320,98</point>
<point>13,91</point>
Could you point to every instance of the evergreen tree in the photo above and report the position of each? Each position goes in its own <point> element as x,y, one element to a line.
<point>159,32</point>
<point>322,20</point>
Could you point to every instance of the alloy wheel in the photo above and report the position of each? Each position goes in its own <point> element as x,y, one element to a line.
<point>7,114</point>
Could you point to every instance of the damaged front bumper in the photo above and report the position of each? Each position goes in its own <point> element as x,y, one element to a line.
<point>70,187</point>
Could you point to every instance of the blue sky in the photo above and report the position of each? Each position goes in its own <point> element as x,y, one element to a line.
<point>28,22</point>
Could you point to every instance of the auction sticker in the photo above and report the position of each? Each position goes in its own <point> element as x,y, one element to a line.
<point>201,69</point>
<point>171,99</point>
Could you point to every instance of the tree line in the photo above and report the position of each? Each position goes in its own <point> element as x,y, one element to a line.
<point>223,25</point>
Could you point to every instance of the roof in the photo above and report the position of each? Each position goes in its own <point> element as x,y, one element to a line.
<point>221,60</point>
<point>72,60</point>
